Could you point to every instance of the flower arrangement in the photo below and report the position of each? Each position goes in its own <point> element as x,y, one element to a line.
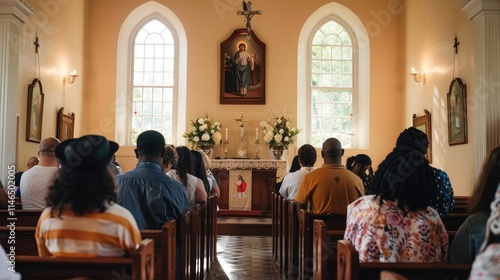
<point>280,133</point>
<point>204,133</point>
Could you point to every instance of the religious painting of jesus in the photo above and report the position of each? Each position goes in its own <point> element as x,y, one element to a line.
<point>240,189</point>
<point>457,113</point>
<point>242,69</point>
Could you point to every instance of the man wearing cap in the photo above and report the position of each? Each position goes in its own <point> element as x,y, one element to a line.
<point>330,188</point>
<point>150,195</point>
<point>35,181</point>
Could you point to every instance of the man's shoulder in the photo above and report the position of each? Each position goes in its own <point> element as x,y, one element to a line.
<point>39,170</point>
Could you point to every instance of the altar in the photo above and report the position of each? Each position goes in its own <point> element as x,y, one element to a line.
<point>240,195</point>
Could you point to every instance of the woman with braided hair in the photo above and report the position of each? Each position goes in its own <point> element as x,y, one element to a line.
<point>183,174</point>
<point>396,222</point>
<point>416,139</point>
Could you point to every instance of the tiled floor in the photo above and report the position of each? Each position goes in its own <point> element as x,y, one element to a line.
<point>244,257</point>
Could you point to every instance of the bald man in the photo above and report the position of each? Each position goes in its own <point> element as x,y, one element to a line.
<point>330,188</point>
<point>35,182</point>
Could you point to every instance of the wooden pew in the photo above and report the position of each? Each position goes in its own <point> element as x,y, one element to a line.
<point>165,241</point>
<point>25,243</point>
<point>334,222</point>
<point>293,240</point>
<point>349,267</point>
<point>274,220</point>
<point>184,241</point>
<point>22,218</point>
<point>284,235</point>
<point>461,205</point>
<point>453,221</point>
<point>139,266</point>
<point>194,256</point>
<point>324,256</point>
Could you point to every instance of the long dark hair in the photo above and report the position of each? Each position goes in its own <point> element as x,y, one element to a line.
<point>199,169</point>
<point>184,164</point>
<point>406,176</point>
<point>83,192</point>
<point>487,183</point>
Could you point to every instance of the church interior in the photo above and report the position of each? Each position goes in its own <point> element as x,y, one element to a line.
<point>408,55</point>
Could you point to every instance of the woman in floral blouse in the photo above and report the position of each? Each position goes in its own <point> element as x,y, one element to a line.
<point>396,223</point>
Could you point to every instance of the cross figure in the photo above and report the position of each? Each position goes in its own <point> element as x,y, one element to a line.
<point>248,14</point>
<point>37,45</point>
<point>241,122</point>
<point>455,45</point>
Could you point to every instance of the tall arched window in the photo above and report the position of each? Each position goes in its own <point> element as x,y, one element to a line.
<point>153,82</point>
<point>333,71</point>
<point>151,75</point>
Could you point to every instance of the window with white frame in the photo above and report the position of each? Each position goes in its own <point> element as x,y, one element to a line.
<point>151,75</point>
<point>153,82</point>
<point>331,86</point>
<point>333,66</point>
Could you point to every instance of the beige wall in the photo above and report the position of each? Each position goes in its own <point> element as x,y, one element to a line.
<point>430,28</point>
<point>419,35</point>
<point>60,26</point>
<point>207,26</point>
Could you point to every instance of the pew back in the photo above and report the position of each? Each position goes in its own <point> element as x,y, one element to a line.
<point>349,267</point>
<point>22,218</point>
<point>139,266</point>
<point>165,250</point>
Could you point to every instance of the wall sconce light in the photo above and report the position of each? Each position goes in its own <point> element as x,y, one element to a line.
<point>419,78</point>
<point>71,78</point>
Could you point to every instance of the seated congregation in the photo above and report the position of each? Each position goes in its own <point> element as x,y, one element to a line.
<point>141,224</point>
<point>407,221</point>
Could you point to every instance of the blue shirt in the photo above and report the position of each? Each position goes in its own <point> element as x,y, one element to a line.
<point>445,200</point>
<point>151,196</point>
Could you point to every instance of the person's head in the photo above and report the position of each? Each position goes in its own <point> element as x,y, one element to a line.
<point>150,146</point>
<point>486,184</point>
<point>242,47</point>
<point>184,164</point>
<point>240,177</point>
<point>32,161</point>
<point>406,176</point>
<point>46,151</point>
<point>332,151</point>
<point>170,158</point>
<point>295,164</point>
<point>359,164</point>
<point>307,155</point>
<point>199,168</point>
<point>492,234</point>
<point>414,139</point>
<point>83,183</point>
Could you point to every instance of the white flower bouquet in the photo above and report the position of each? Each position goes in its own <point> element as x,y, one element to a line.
<point>280,133</point>
<point>203,133</point>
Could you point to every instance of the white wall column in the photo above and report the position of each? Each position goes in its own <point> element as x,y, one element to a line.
<point>13,13</point>
<point>486,101</point>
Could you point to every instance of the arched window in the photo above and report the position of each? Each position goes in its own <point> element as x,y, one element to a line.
<point>153,82</point>
<point>333,71</point>
<point>151,75</point>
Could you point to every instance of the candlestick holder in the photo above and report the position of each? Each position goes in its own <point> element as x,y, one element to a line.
<point>226,143</point>
<point>257,149</point>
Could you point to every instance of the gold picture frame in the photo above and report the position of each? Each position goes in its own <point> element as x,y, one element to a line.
<point>423,123</point>
<point>65,125</point>
<point>34,112</point>
<point>457,113</point>
<point>232,70</point>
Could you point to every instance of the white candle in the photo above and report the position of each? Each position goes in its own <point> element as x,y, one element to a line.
<point>226,133</point>
<point>256,134</point>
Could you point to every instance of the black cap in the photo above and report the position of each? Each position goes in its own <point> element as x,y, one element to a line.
<point>87,153</point>
<point>150,140</point>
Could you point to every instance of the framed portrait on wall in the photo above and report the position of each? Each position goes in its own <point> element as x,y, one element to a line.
<point>457,113</point>
<point>34,112</point>
<point>423,123</point>
<point>65,125</point>
<point>242,69</point>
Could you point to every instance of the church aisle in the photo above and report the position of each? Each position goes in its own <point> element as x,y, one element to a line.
<point>244,258</point>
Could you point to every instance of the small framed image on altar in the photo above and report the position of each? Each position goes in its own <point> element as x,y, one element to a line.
<point>240,189</point>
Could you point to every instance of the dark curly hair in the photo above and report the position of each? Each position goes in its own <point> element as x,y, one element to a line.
<point>307,155</point>
<point>406,176</point>
<point>83,192</point>
<point>184,164</point>
<point>487,183</point>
